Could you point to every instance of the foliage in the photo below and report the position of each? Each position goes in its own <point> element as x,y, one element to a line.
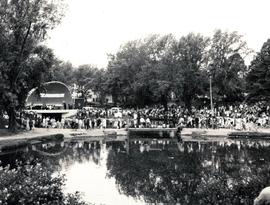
<point>98,84</point>
<point>147,71</point>
<point>30,184</point>
<point>63,72</point>
<point>23,26</point>
<point>89,77</point>
<point>84,74</point>
<point>125,70</point>
<point>191,57</point>
<point>258,78</point>
<point>227,67</point>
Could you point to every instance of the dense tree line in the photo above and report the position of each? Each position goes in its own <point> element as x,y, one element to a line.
<point>152,70</point>
<point>155,69</point>
<point>148,71</point>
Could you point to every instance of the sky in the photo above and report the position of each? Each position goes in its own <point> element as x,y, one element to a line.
<point>91,29</point>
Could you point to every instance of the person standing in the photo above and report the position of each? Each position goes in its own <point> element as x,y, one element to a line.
<point>76,123</point>
<point>80,123</point>
<point>62,123</point>
<point>31,123</point>
<point>138,119</point>
<point>27,124</point>
<point>93,123</point>
<point>86,123</point>
<point>142,121</point>
<point>135,121</point>
<point>104,123</point>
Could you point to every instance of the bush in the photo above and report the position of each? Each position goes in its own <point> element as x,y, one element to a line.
<point>34,185</point>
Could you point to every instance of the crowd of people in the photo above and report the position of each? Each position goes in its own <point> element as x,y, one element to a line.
<point>84,119</point>
<point>240,117</point>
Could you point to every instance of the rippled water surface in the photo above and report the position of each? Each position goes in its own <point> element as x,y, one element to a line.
<point>142,171</point>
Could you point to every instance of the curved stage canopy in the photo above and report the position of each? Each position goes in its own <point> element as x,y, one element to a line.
<point>55,93</point>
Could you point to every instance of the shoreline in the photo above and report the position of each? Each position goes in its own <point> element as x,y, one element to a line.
<point>39,134</point>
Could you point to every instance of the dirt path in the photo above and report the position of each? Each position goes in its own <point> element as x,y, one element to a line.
<point>69,133</point>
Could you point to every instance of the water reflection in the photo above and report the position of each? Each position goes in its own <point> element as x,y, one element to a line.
<point>193,172</point>
<point>89,177</point>
<point>144,170</point>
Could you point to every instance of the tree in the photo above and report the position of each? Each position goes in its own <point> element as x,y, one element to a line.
<point>124,74</point>
<point>87,77</point>
<point>227,65</point>
<point>190,59</point>
<point>23,61</point>
<point>162,75</point>
<point>147,71</point>
<point>138,72</point>
<point>84,74</point>
<point>258,78</point>
<point>98,85</point>
<point>233,82</point>
<point>63,72</point>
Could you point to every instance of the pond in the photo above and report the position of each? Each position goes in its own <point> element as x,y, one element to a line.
<point>143,171</point>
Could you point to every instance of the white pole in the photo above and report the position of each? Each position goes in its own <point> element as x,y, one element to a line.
<point>211,96</point>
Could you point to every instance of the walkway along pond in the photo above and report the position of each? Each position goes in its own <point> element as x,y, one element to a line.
<point>147,170</point>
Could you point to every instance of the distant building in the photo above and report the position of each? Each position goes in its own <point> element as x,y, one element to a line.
<point>90,97</point>
<point>109,99</point>
<point>94,97</point>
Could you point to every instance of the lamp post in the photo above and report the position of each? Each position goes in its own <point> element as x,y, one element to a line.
<point>210,70</point>
<point>211,95</point>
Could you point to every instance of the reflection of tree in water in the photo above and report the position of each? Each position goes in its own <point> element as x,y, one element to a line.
<point>77,151</point>
<point>157,176</point>
<point>53,155</point>
<point>193,172</point>
<point>82,151</point>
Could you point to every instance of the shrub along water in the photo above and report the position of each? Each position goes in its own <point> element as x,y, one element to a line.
<point>29,184</point>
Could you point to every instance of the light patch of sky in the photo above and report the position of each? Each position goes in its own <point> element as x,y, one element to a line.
<point>93,28</point>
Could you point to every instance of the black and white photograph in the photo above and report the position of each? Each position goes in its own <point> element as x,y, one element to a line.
<point>134,102</point>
